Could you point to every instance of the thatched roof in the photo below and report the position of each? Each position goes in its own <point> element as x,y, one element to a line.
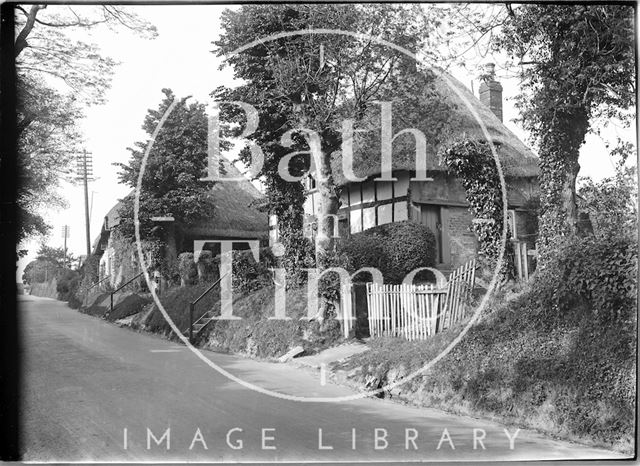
<point>441,124</point>
<point>235,213</point>
<point>112,219</point>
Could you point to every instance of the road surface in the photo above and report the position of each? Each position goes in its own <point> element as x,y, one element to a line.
<point>96,392</point>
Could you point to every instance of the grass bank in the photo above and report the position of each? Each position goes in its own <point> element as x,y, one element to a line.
<point>569,376</point>
<point>254,334</point>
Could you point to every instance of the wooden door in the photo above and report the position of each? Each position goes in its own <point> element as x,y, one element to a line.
<point>431,218</point>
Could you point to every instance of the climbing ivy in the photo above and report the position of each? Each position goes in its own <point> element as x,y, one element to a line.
<point>126,262</point>
<point>471,161</point>
<point>577,66</point>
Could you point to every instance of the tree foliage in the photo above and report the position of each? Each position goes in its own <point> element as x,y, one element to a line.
<point>577,63</point>
<point>611,203</point>
<point>50,262</point>
<point>172,180</point>
<point>54,255</point>
<point>171,183</point>
<point>59,74</point>
<point>315,81</point>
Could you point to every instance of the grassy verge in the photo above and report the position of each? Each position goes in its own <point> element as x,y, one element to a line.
<point>128,306</point>
<point>571,378</point>
<point>254,334</point>
<point>125,305</point>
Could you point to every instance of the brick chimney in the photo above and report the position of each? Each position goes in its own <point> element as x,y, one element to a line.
<point>491,90</point>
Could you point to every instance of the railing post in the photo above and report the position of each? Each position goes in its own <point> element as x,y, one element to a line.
<point>191,306</point>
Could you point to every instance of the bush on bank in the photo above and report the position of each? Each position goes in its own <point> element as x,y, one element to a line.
<point>394,248</point>
<point>560,357</point>
<point>255,334</point>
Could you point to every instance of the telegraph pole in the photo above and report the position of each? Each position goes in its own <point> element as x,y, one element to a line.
<point>85,169</point>
<point>65,235</point>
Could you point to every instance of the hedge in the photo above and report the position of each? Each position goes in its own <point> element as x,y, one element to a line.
<point>394,248</point>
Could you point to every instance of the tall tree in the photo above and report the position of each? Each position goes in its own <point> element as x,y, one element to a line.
<point>54,255</point>
<point>59,74</point>
<point>316,81</point>
<point>171,183</point>
<point>577,64</point>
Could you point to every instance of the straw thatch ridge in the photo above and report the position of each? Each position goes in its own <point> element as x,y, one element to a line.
<point>516,159</point>
<point>111,220</point>
<point>235,214</point>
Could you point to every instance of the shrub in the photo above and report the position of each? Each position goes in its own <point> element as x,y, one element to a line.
<point>394,248</point>
<point>300,254</point>
<point>364,250</point>
<point>599,271</point>
<point>89,276</point>
<point>610,203</point>
<point>249,275</point>
<point>130,305</point>
<point>559,357</point>
<point>329,286</point>
<point>207,269</point>
<point>176,303</point>
<point>188,269</point>
<point>68,282</point>
<point>255,334</point>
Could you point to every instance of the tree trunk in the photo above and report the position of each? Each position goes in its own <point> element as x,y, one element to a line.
<point>329,204</point>
<point>559,167</point>
<point>21,39</point>
<point>171,251</point>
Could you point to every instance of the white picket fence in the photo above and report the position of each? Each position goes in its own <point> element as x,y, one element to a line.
<point>459,287</point>
<point>346,313</point>
<point>414,312</point>
<point>408,311</point>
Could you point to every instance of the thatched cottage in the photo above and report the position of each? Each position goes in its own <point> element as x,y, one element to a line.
<point>235,218</point>
<point>439,203</point>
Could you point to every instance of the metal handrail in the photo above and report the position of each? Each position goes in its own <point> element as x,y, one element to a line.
<point>97,283</point>
<point>192,307</point>
<point>119,288</point>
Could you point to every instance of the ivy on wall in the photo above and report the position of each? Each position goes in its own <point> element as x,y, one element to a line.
<point>471,161</point>
<point>126,263</point>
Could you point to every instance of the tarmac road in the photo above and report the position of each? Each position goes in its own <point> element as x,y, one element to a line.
<point>85,381</point>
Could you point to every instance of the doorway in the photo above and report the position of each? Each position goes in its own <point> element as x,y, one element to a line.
<point>435,218</point>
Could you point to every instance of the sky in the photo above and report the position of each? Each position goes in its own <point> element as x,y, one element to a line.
<point>180,58</point>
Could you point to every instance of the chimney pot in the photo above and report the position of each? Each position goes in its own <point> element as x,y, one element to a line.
<point>491,90</point>
<point>490,71</point>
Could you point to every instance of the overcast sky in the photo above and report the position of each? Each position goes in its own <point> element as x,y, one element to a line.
<point>180,58</point>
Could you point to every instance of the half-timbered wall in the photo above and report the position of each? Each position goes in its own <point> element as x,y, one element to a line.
<point>440,204</point>
<point>366,205</point>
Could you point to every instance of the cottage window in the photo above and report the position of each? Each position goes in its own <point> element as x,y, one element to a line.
<point>400,211</point>
<point>385,214</point>
<point>368,218</point>
<point>355,220</point>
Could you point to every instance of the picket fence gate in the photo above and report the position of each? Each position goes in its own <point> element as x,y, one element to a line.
<point>414,312</point>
